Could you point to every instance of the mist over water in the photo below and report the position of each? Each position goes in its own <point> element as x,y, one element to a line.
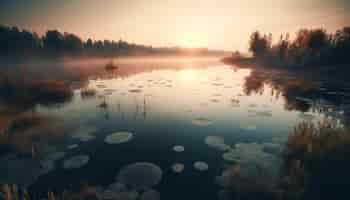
<point>139,113</point>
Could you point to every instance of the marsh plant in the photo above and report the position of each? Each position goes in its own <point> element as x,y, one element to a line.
<point>315,162</point>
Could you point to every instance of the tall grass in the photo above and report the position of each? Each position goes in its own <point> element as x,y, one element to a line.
<point>316,162</point>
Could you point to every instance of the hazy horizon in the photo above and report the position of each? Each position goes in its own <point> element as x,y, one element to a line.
<point>224,25</point>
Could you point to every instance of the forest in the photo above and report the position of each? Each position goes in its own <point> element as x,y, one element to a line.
<point>18,43</point>
<point>309,47</point>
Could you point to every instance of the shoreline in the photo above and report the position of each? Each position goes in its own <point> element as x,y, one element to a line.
<point>330,75</point>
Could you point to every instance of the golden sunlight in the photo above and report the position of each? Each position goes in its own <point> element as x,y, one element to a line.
<point>188,75</point>
<point>192,40</point>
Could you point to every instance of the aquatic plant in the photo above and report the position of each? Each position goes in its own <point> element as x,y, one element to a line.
<point>315,161</point>
<point>24,130</point>
<point>87,93</point>
<point>217,142</point>
<point>110,66</point>
<point>140,176</point>
<point>235,102</point>
<point>84,133</point>
<point>135,90</point>
<point>76,162</point>
<point>178,167</point>
<point>254,158</point>
<point>202,122</point>
<point>264,114</point>
<point>305,116</point>
<point>72,146</point>
<point>102,86</point>
<point>200,166</point>
<point>239,184</point>
<point>178,148</point>
<point>119,137</point>
<point>215,100</point>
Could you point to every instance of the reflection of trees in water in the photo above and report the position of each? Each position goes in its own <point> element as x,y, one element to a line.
<point>17,95</point>
<point>23,131</point>
<point>254,84</point>
<point>299,94</point>
<point>140,109</point>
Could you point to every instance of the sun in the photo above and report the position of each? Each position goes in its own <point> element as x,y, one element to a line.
<point>192,40</point>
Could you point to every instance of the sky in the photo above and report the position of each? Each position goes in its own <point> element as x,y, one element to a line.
<point>215,24</point>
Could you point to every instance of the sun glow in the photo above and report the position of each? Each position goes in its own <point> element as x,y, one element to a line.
<point>192,40</point>
<point>188,75</point>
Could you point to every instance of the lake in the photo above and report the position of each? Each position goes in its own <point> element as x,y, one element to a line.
<point>168,126</point>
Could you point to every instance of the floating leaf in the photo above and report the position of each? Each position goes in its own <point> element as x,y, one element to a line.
<point>140,176</point>
<point>178,167</point>
<point>201,166</point>
<point>179,148</point>
<point>76,162</point>
<point>118,137</point>
<point>217,143</point>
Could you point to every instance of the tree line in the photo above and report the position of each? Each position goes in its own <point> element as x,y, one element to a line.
<point>309,47</point>
<point>16,42</point>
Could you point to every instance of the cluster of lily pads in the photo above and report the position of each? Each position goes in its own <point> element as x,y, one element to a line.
<point>179,167</point>
<point>133,182</point>
<point>35,167</point>
<point>258,160</point>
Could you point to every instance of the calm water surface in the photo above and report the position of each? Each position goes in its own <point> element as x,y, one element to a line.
<point>161,104</point>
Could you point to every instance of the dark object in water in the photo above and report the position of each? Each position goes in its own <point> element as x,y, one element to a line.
<point>111,66</point>
<point>103,105</point>
<point>88,92</point>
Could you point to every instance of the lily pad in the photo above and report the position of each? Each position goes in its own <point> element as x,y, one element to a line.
<point>84,134</point>
<point>76,162</point>
<point>118,137</point>
<point>217,142</point>
<point>254,158</point>
<point>178,167</point>
<point>179,148</point>
<point>140,176</point>
<point>72,146</point>
<point>201,166</point>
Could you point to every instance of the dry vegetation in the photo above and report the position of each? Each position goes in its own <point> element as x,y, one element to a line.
<point>19,95</point>
<point>316,163</point>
